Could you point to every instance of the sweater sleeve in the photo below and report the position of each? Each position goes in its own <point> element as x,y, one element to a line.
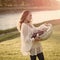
<point>26,33</point>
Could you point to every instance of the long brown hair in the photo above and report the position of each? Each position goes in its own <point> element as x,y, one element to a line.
<point>23,18</point>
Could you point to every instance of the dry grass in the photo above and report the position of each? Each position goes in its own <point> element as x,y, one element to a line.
<point>10,49</point>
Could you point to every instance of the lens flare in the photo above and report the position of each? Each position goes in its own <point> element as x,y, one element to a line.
<point>58,0</point>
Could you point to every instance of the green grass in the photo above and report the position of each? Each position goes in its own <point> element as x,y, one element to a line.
<point>10,49</point>
<point>9,36</point>
<point>8,30</point>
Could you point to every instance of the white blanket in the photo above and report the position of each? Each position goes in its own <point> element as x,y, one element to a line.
<point>47,28</point>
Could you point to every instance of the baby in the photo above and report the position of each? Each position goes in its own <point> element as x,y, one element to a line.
<point>43,31</point>
<point>39,32</point>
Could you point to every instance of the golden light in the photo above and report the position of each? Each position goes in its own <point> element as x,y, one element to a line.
<point>58,0</point>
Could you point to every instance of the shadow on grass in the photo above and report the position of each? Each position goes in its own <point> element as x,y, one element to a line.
<point>8,30</point>
<point>9,36</point>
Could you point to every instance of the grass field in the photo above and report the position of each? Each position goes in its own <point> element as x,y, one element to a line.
<point>10,49</point>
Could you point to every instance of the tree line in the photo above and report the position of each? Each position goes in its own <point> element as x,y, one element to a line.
<point>4,3</point>
<point>8,3</point>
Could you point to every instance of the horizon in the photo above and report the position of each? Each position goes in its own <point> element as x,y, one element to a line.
<point>10,20</point>
<point>41,16</point>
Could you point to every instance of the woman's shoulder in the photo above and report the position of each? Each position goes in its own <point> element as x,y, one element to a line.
<point>24,25</point>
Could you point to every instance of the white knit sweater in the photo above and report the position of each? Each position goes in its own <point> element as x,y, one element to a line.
<point>28,45</point>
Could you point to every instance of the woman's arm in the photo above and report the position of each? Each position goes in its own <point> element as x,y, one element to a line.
<point>26,33</point>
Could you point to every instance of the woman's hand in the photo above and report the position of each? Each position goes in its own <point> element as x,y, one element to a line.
<point>37,39</point>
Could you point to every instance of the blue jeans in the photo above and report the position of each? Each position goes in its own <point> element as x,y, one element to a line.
<point>40,56</point>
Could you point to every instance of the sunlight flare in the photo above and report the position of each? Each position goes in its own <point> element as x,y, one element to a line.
<point>58,0</point>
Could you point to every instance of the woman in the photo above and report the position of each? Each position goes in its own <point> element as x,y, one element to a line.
<point>29,45</point>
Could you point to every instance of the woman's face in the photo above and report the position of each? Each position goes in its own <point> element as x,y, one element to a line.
<point>29,17</point>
